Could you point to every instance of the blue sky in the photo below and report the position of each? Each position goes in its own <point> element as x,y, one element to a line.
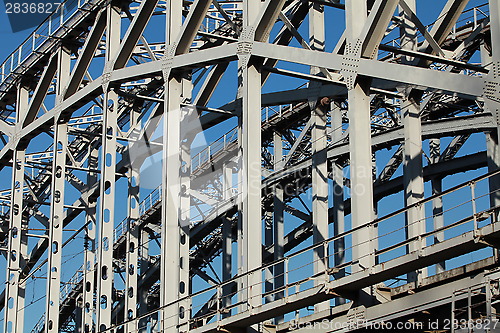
<point>9,39</point>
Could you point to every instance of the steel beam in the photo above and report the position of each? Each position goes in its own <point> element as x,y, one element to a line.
<point>466,85</point>
<point>89,259</point>
<point>132,249</point>
<point>412,158</point>
<point>284,37</point>
<point>171,219</point>
<point>278,223</point>
<point>319,180</point>
<point>492,57</point>
<point>362,202</point>
<point>413,177</point>
<point>227,239</point>
<point>171,231</point>
<point>56,228</point>
<point>86,55</point>
<point>437,203</point>
<point>319,176</point>
<point>14,288</point>
<point>338,195</point>
<point>188,115</point>
<point>250,237</point>
<point>134,33</point>
<point>445,21</point>
<point>40,92</point>
<point>54,266</point>
<point>376,25</point>
<point>105,270</point>
<point>143,292</point>
<point>269,12</point>
<point>209,85</point>
<point>196,15</point>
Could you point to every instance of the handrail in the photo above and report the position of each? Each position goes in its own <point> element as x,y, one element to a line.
<point>149,201</point>
<point>472,17</point>
<point>43,33</point>
<point>287,259</point>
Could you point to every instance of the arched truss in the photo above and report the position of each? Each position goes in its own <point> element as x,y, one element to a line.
<point>312,97</point>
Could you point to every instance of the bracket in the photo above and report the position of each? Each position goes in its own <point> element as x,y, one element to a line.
<point>245,45</point>
<point>350,63</point>
<point>167,60</point>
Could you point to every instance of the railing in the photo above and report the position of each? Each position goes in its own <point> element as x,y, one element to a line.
<point>214,19</point>
<point>214,148</point>
<point>43,33</point>
<point>40,325</point>
<point>61,16</point>
<point>269,112</point>
<point>67,287</point>
<point>466,209</point>
<point>145,205</point>
<point>205,155</point>
<point>471,16</point>
<point>65,290</point>
<point>150,201</point>
<point>155,196</point>
<point>198,160</point>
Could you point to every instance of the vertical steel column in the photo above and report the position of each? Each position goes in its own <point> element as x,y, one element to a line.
<point>494,106</point>
<point>493,154</point>
<point>133,230</point>
<point>412,162</point>
<point>494,6</point>
<point>413,178</point>
<point>319,196</point>
<point>437,203</point>
<point>227,238</point>
<point>338,195</point>
<point>105,271</point>
<point>57,202</point>
<point>360,150</point>
<point>55,227</point>
<point>491,102</point>
<point>319,162</point>
<point>170,275</point>
<point>89,248</point>
<point>268,241</point>
<point>14,313</point>
<point>251,213</point>
<point>491,312</point>
<point>279,223</point>
<point>132,248</point>
<point>143,292</point>
<point>171,191</point>
<point>14,290</point>
<point>184,207</point>
<point>492,148</point>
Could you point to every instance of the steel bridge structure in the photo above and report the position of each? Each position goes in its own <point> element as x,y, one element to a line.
<point>348,176</point>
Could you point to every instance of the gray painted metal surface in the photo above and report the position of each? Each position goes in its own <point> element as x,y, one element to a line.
<point>282,218</point>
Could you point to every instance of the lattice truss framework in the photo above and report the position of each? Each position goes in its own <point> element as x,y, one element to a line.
<point>213,247</point>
